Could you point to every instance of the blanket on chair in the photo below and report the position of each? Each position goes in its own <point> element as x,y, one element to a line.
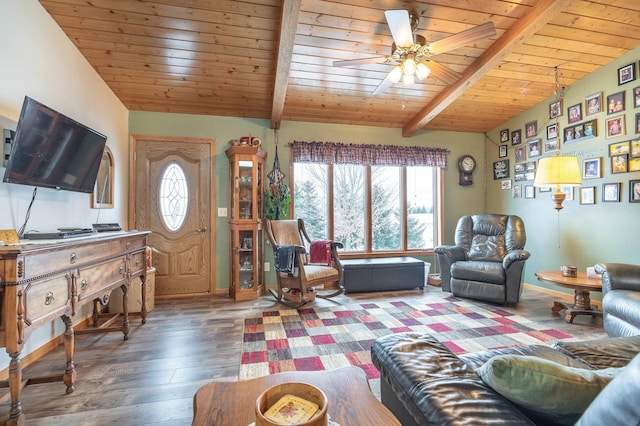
<point>320,252</point>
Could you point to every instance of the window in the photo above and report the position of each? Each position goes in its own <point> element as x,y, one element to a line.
<point>173,197</point>
<point>375,208</point>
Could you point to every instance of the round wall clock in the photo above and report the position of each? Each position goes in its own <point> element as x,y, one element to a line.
<point>466,167</point>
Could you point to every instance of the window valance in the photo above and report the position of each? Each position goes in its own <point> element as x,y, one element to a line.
<point>375,155</point>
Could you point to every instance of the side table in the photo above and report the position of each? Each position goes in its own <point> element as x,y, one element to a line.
<point>581,285</point>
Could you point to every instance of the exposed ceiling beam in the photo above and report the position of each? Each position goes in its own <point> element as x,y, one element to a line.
<point>539,15</point>
<point>288,28</point>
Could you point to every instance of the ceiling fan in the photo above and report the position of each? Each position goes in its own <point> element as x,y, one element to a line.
<point>411,53</point>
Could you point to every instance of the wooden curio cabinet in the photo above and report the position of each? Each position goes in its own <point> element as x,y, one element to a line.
<point>246,176</point>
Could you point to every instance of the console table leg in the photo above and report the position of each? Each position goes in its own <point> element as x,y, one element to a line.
<point>125,310</point>
<point>143,290</point>
<point>16,416</point>
<point>69,376</point>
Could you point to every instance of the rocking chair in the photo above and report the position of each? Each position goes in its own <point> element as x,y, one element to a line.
<point>300,273</point>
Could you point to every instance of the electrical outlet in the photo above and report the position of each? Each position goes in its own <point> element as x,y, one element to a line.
<point>222,212</point>
<point>267,266</point>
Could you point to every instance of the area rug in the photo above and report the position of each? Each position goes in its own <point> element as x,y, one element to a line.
<point>312,339</point>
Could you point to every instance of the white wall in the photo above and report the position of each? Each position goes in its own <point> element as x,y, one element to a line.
<point>41,62</point>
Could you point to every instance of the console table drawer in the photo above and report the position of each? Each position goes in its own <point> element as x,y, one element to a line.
<point>95,279</point>
<point>48,297</point>
<point>137,263</point>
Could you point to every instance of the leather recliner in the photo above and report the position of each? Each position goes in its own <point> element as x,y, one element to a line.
<point>488,258</point>
<point>620,298</point>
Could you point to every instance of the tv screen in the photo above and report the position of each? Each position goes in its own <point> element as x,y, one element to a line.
<point>53,151</point>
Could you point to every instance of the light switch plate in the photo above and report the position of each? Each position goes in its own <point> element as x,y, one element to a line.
<point>222,212</point>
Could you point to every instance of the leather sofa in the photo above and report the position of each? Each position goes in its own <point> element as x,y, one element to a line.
<point>423,383</point>
<point>488,258</point>
<point>620,298</point>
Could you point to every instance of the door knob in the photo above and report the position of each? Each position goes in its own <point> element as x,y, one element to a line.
<point>203,229</point>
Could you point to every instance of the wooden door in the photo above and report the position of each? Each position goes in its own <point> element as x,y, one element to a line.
<point>172,195</point>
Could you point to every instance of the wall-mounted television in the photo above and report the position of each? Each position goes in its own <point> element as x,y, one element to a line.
<point>52,150</point>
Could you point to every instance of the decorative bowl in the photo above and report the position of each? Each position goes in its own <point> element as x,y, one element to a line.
<point>302,390</point>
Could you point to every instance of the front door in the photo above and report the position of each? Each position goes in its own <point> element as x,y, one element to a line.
<point>172,196</point>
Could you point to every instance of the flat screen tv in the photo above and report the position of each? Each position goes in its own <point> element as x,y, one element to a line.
<point>53,151</point>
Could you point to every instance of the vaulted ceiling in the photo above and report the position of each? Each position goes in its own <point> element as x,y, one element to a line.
<point>272,59</point>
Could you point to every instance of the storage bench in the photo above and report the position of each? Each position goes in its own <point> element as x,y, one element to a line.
<point>384,274</point>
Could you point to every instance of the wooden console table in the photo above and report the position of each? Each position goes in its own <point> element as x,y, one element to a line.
<point>43,280</point>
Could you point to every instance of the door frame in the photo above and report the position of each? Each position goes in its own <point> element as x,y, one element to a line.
<point>212,199</point>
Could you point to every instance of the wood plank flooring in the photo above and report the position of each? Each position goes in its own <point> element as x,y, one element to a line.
<point>150,379</point>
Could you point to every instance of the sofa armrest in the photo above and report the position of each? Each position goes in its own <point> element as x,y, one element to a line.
<point>447,256</point>
<point>619,276</point>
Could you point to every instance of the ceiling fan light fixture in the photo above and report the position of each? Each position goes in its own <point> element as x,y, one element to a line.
<point>422,71</point>
<point>409,65</point>
<point>407,79</point>
<point>396,74</point>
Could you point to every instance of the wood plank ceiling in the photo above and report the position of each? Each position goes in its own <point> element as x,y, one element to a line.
<point>272,59</point>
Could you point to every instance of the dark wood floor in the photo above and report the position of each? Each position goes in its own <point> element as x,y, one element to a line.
<point>151,378</point>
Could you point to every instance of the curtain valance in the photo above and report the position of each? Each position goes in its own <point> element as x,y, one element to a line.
<point>375,155</point>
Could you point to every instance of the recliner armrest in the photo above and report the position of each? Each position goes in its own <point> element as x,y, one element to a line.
<point>619,276</point>
<point>514,256</point>
<point>454,253</point>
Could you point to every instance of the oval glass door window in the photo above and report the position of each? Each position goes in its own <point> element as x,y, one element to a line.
<point>174,197</point>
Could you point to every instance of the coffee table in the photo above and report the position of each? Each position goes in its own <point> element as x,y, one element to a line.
<point>351,402</point>
<point>581,285</point>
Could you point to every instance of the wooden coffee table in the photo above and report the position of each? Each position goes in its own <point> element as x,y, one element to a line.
<point>351,402</point>
<point>581,285</point>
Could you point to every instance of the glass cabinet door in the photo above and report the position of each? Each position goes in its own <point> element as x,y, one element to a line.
<point>246,194</point>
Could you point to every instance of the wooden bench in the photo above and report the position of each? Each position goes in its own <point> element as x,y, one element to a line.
<point>384,274</point>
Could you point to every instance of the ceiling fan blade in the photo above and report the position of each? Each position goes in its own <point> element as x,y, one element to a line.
<point>442,72</point>
<point>463,38</point>
<point>350,62</point>
<point>400,26</point>
<point>383,86</point>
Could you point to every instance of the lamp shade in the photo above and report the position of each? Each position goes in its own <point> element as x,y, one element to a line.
<point>561,170</point>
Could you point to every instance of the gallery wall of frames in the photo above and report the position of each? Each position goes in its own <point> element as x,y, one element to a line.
<point>599,115</point>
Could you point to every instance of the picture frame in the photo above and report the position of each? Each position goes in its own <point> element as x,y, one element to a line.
<point>615,103</point>
<point>633,164</point>
<point>611,192</point>
<point>516,137</point>
<point>615,126</point>
<point>535,150</point>
<point>102,195</point>
<point>555,109</point>
<point>521,154</point>
<point>568,192</point>
<point>516,191</point>
<point>592,168</point>
<point>619,163</point>
<point>636,97</point>
<point>637,123</point>
<point>593,104</point>
<point>505,184</point>
<point>502,151</point>
<point>552,131</point>
<point>529,191</point>
<point>501,170</point>
<point>544,189</point>
<point>580,131</point>
<point>504,135</point>
<point>588,195</point>
<point>635,148</point>
<point>551,146</point>
<point>634,191</point>
<point>626,73</point>
<point>531,128</point>
<point>574,113</point>
<point>619,148</point>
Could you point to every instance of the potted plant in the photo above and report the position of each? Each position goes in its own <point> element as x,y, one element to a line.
<point>276,201</point>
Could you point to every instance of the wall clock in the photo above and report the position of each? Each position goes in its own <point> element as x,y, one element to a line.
<point>466,167</point>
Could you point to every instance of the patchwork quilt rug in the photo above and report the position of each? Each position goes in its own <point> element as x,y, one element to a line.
<point>310,339</point>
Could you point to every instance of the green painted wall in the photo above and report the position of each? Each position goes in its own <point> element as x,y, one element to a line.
<point>579,235</point>
<point>458,200</point>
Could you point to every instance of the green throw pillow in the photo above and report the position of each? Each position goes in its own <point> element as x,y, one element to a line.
<point>545,389</point>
